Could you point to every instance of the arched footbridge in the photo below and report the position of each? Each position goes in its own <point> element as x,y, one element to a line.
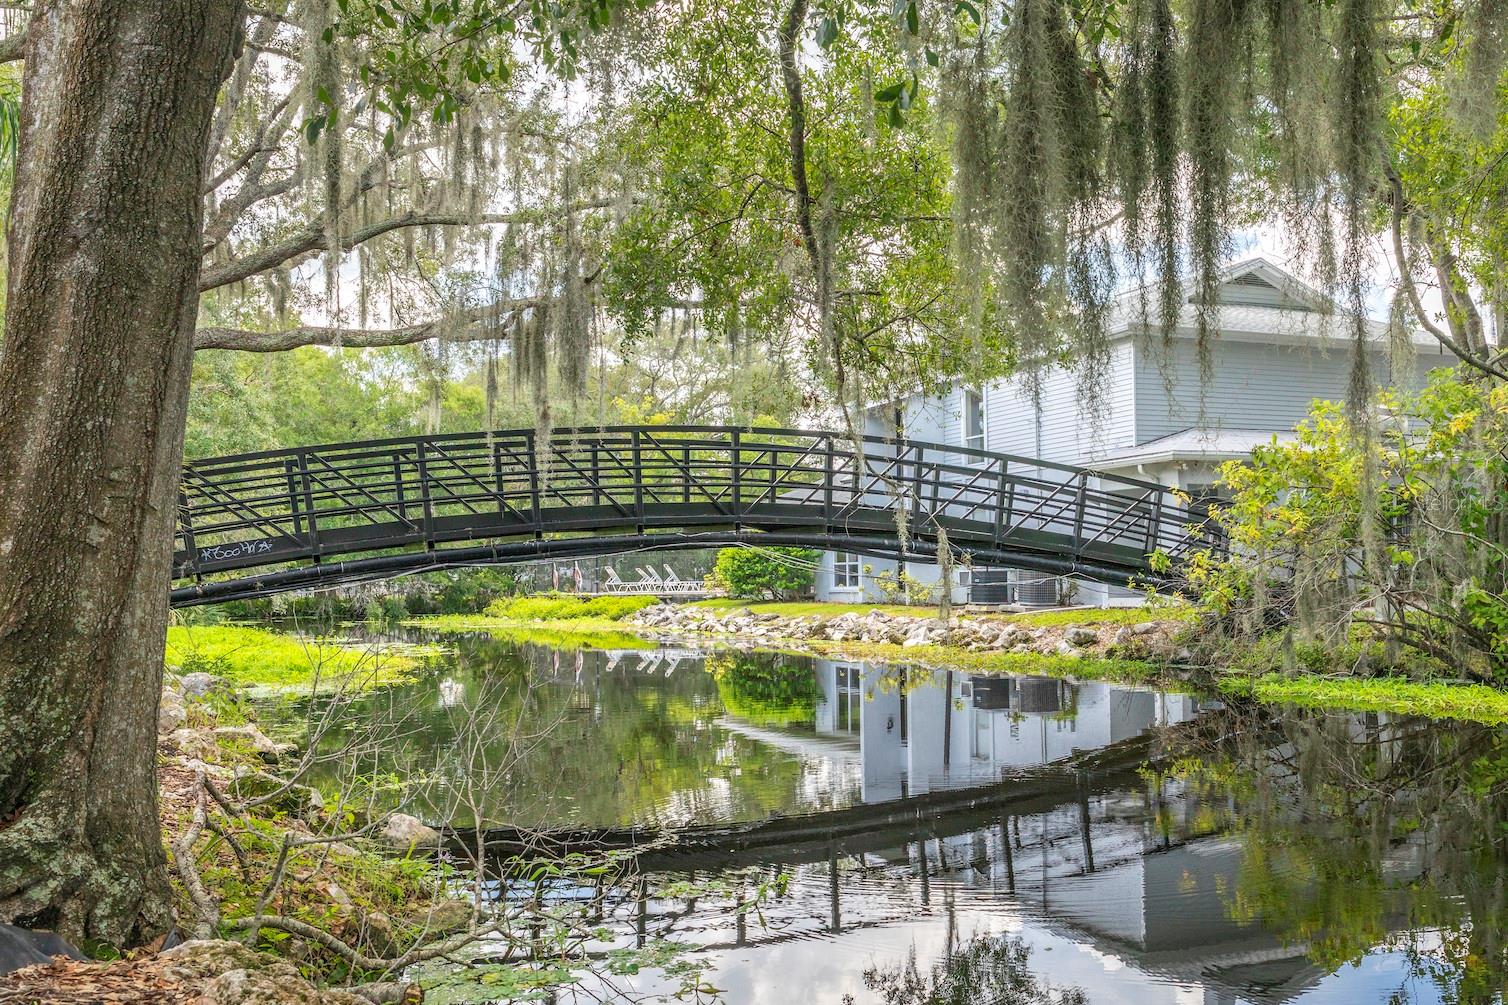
<point>258,524</point>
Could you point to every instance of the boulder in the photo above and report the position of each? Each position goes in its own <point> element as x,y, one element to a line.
<point>406,833</point>
<point>259,742</point>
<point>198,684</point>
<point>1066,648</point>
<point>194,744</point>
<point>1078,635</point>
<point>1146,627</point>
<point>233,974</point>
<point>171,713</point>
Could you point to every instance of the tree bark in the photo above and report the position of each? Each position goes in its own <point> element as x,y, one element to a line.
<point>118,98</point>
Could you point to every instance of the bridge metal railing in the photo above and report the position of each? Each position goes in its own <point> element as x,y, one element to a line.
<point>308,504</point>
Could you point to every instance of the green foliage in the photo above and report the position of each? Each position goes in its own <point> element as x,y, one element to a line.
<point>1396,525</point>
<point>257,657</point>
<point>766,573</point>
<point>567,607</point>
<point>765,691</point>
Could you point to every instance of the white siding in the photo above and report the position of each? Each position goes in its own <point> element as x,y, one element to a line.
<point>1254,385</point>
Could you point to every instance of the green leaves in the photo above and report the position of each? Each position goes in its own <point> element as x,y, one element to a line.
<point>897,98</point>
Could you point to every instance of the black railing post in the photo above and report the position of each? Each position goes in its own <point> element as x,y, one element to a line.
<point>536,518</point>
<point>828,475</point>
<point>186,527</point>
<point>1154,525</point>
<point>426,497</point>
<point>686,475</point>
<point>638,458</point>
<point>311,524</point>
<point>295,511</point>
<point>499,488</point>
<point>736,459</point>
<point>1004,496</point>
<point>398,493</point>
<point>597,470</point>
<point>916,484</point>
<point>1078,514</point>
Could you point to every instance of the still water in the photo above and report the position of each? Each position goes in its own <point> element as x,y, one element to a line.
<point>918,837</point>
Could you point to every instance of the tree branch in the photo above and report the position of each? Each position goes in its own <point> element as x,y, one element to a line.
<point>13,47</point>
<point>1412,291</point>
<point>246,340</point>
<point>315,239</point>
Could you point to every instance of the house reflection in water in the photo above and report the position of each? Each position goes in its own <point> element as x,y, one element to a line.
<point>920,731</point>
<point>1126,884</point>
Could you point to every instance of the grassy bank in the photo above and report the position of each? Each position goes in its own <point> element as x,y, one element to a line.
<point>562,621</point>
<point>256,657</point>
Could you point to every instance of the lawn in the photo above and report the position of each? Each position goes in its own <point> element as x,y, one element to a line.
<point>257,657</point>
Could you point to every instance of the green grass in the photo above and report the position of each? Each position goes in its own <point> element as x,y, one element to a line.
<point>805,608</point>
<point>571,633</point>
<point>1437,700</point>
<point>256,657</point>
<point>565,607</point>
<point>1100,616</point>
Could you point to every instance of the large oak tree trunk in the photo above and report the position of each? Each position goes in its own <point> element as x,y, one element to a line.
<point>118,97</point>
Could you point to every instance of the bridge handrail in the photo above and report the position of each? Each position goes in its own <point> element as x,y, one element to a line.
<point>313,502</point>
<point>574,432</point>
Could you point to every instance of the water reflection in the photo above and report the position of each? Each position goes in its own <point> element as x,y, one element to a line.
<point>1012,836</point>
<point>530,736</point>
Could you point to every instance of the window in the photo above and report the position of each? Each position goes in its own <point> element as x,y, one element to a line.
<point>846,571</point>
<point>973,419</point>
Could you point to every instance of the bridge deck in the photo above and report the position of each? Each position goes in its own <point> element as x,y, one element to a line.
<point>318,515</point>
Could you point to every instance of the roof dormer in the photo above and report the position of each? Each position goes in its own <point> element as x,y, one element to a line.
<point>1256,282</point>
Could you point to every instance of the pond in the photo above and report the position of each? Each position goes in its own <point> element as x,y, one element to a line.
<point>897,836</point>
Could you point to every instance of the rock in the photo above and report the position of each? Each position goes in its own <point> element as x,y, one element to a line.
<point>1122,636</point>
<point>257,740</point>
<point>406,833</point>
<point>1066,648</point>
<point>193,744</point>
<point>236,975</point>
<point>298,800</point>
<point>199,684</point>
<point>1078,635</point>
<point>1145,627</point>
<point>443,917</point>
<point>171,713</point>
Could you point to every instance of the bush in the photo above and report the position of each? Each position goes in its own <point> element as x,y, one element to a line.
<point>765,573</point>
<point>564,607</point>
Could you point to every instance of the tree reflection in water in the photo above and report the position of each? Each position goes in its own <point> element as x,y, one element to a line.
<point>987,970</point>
<point>1367,831</point>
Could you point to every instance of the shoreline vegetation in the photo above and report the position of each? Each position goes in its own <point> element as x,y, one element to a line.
<point>261,659</point>
<point>1155,645</point>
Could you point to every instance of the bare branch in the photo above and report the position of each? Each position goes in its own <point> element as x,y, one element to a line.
<point>474,330</point>
<point>1412,291</point>
<point>315,239</point>
<point>13,47</point>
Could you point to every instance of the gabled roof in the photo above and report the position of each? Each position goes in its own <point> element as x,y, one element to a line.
<point>1257,301</point>
<point>1197,443</point>
<point>1256,282</point>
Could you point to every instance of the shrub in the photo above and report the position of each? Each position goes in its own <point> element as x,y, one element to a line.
<point>765,573</point>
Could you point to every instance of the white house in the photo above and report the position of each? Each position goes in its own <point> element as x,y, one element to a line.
<point>1281,345</point>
